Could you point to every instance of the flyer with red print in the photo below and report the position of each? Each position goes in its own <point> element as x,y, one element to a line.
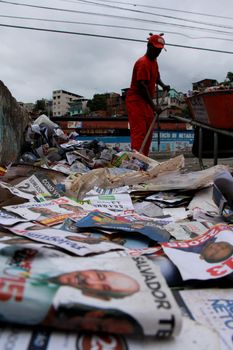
<point>205,257</point>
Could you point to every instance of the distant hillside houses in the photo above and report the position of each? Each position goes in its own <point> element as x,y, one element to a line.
<point>173,104</point>
<point>203,84</point>
<point>110,104</point>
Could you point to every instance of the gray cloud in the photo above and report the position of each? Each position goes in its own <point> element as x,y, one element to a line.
<point>33,63</point>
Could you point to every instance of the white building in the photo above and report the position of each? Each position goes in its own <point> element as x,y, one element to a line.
<point>61,100</point>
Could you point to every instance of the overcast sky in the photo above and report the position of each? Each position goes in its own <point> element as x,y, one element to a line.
<point>34,63</point>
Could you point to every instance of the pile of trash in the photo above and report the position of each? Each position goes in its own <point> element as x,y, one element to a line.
<point>109,249</point>
<point>47,145</point>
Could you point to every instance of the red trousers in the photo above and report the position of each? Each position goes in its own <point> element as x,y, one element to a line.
<point>140,116</point>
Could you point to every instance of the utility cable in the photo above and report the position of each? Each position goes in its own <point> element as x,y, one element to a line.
<point>161,8</point>
<point>116,17</point>
<point>111,37</point>
<point>111,26</point>
<point>157,14</point>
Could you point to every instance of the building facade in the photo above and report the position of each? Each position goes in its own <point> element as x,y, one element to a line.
<point>78,107</point>
<point>61,102</point>
<point>172,104</point>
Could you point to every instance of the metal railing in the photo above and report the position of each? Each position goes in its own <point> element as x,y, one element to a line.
<point>215,131</point>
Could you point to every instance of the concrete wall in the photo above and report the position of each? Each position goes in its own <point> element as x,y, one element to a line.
<point>13,121</point>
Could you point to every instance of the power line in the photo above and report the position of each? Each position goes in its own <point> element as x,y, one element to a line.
<point>116,17</point>
<point>157,14</point>
<point>109,26</point>
<point>163,8</point>
<point>110,37</point>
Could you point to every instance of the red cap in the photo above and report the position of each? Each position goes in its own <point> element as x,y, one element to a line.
<point>156,40</point>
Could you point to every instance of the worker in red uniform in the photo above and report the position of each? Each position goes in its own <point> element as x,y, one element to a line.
<point>139,98</point>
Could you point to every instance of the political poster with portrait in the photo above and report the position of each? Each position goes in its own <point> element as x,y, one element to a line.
<point>42,287</point>
<point>36,188</point>
<point>146,227</point>
<point>7,237</point>
<point>40,187</point>
<point>49,212</point>
<point>208,256</point>
<point>79,244</point>
<point>126,240</point>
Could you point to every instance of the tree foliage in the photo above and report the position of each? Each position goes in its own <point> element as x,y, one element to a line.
<point>42,107</point>
<point>99,102</point>
<point>229,77</point>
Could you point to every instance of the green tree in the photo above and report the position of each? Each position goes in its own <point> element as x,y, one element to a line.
<point>42,107</point>
<point>99,102</point>
<point>230,76</point>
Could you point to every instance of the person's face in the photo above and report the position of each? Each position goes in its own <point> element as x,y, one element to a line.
<point>98,280</point>
<point>35,227</point>
<point>217,251</point>
<point>41,210</point>
<point>84,239</point>
<point>153,51</point>
<point>18,240</point>
<point>65,206</point>
<point>71,208</point>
